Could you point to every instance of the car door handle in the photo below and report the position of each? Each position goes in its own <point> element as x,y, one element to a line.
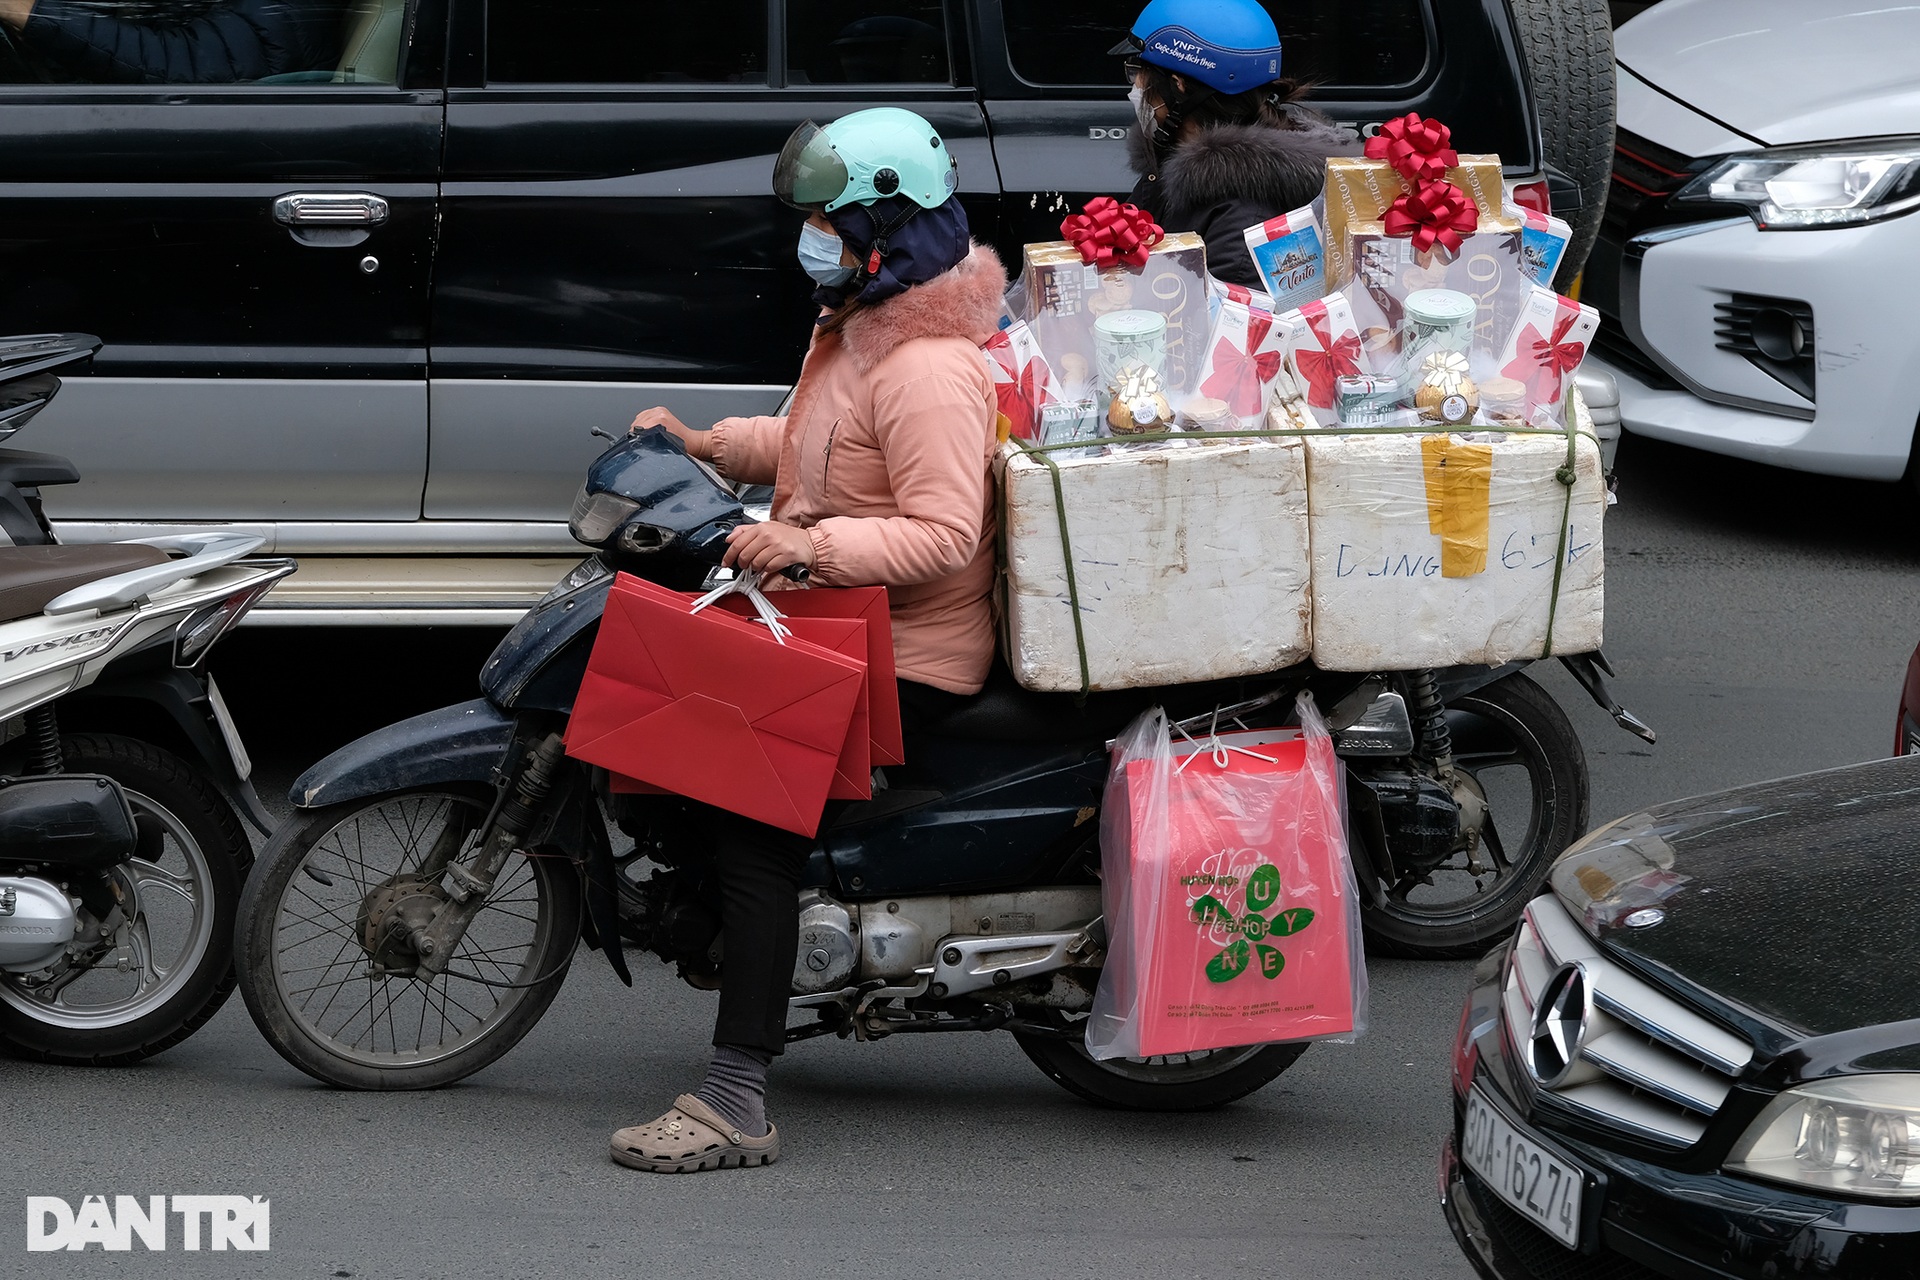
<point>330,209</point>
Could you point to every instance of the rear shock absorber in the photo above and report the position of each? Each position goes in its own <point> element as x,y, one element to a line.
<point>1430,719</point>
<point>43,745</point>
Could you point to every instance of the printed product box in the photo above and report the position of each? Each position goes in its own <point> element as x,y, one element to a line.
<point>1065,297</point>
<point>1360,190</point>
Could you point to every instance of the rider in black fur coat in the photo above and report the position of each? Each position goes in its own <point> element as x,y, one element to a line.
<point>1221,178</point>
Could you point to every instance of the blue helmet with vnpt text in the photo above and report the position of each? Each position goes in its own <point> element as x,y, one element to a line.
<point>1230,46</point>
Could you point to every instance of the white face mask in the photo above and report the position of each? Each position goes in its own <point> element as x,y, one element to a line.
<point>820,256</point>
<point>1142,110</point>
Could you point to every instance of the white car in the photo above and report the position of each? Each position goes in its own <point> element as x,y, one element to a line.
<point>1758,266</point>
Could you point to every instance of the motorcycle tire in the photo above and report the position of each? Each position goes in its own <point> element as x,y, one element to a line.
<point>304,878</point>
<point>1176,1082</point>
<point>200,856</point>
<point>1521,719</point>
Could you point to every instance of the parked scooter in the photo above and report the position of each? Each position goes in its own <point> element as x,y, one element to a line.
<point>418,913</point>
<point>121,860</point>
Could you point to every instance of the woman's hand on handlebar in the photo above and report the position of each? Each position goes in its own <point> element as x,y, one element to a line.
<point>660,416</point>
<point>768,547</point>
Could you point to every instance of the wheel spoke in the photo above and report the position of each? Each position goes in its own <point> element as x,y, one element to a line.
<point>148,875</point>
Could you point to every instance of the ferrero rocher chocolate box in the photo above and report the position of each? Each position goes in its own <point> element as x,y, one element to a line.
<point>1360,191</point>
<point>1065,297</point>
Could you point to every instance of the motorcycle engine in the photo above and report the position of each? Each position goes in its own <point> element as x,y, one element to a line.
<point>1418,815</point>
<point>828,953</point>
<point>37,921</point>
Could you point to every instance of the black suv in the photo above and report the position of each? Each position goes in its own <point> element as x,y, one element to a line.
<point>370,301</point>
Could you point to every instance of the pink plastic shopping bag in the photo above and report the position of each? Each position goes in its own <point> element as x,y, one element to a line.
<point>1230,903</point>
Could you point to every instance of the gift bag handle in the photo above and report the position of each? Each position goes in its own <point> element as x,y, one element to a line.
<point>748,585</point>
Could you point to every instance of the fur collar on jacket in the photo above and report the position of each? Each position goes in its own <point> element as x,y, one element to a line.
<point>961,303</point>
<point>1248,162</point>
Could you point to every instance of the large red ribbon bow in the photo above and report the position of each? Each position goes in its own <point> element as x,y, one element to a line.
<point>1433,213</point>
<point>1541,362</point>
<point>1240,377</point>
<point>1419,150</point>
<point>1109,233</point>
<point>1019,391</point>
<point>1337,358</point>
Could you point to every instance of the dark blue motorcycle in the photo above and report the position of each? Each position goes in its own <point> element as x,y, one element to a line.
<point>418,913</point>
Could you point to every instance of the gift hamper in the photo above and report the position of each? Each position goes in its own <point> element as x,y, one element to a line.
<point>1396,472</point>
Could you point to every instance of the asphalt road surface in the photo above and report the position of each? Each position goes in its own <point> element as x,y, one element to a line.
<point>1760,620</point>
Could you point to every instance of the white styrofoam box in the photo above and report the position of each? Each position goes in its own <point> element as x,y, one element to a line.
<point>1382,599</point>
<point>1191,564</point>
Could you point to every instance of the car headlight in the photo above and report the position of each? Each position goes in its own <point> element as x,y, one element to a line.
<point>1855,1135</point>
<point>1795,189</point>
<point>596,515</point>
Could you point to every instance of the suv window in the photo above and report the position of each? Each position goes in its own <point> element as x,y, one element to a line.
<point>866,42</point>
<point>1338,43</point>
<point>302,42</point>
<point>626,42</point>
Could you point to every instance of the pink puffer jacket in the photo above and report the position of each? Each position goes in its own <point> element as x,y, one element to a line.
<point>885,457</point>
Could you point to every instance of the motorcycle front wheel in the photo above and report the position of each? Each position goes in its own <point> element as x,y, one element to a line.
<point>1199,1081</point>
<point>312,986</point>
<point>1513,740</point>
<point>168,966</point>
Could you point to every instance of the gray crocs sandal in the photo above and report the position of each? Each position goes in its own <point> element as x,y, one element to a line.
<point>692,1138</point>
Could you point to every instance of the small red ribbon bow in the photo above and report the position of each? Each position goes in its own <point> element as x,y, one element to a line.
<point>1433,213</point>
<point>1337,358</point>
<point>1541,362</point>
<point>1419,150</point>
<point>1019,391</point>
<point>1108,233</point>
<point>1240,377</point>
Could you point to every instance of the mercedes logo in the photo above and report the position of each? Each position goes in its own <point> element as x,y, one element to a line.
<point>1559,1026</point>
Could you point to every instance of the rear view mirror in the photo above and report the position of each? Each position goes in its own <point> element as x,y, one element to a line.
<point>29,369</point>
<point>20,400</point>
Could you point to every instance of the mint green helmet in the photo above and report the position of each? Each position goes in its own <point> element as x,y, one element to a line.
<point>864,157</point>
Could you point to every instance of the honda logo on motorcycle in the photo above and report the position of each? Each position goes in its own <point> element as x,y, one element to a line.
<point>217,1223</point>
<point>1559,1028</point>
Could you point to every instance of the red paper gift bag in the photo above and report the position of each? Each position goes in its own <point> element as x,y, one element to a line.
<point>869,604</point>
<point>714,708</point>
<point>853,772</point>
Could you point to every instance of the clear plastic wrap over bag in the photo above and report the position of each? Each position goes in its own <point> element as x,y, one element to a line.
<point>1232,912</point>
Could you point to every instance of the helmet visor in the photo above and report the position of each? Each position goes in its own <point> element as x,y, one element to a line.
<point>809,172</point>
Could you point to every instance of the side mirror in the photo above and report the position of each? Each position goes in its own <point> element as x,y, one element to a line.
<point>22,398</point>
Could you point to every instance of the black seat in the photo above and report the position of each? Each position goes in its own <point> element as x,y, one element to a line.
<point>1005,712</point>
<point>32,576</point>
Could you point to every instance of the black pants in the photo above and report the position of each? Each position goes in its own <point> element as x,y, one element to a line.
<point>757,869</point>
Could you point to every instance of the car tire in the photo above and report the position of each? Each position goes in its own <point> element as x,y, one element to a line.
<point>1569,51</point>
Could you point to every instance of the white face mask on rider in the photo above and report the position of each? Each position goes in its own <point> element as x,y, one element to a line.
<point>1142,110</point>
<point>820,256</point>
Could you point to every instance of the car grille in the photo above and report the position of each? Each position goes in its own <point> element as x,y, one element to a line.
<point>1543,1257</point>
<point>1648,1065</point>
<point>1645,174</point>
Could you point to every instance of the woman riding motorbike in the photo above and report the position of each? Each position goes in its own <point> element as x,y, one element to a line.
<point>1220,140</point>
<point>881,476</point>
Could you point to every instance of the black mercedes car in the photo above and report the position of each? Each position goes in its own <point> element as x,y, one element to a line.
<point>1699,1056</point>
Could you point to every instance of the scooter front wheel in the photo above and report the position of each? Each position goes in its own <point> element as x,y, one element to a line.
<point>1197,1081</point>
<point>337,1002</point>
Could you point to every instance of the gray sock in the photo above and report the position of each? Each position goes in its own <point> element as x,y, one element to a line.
<point>736,1087</point>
